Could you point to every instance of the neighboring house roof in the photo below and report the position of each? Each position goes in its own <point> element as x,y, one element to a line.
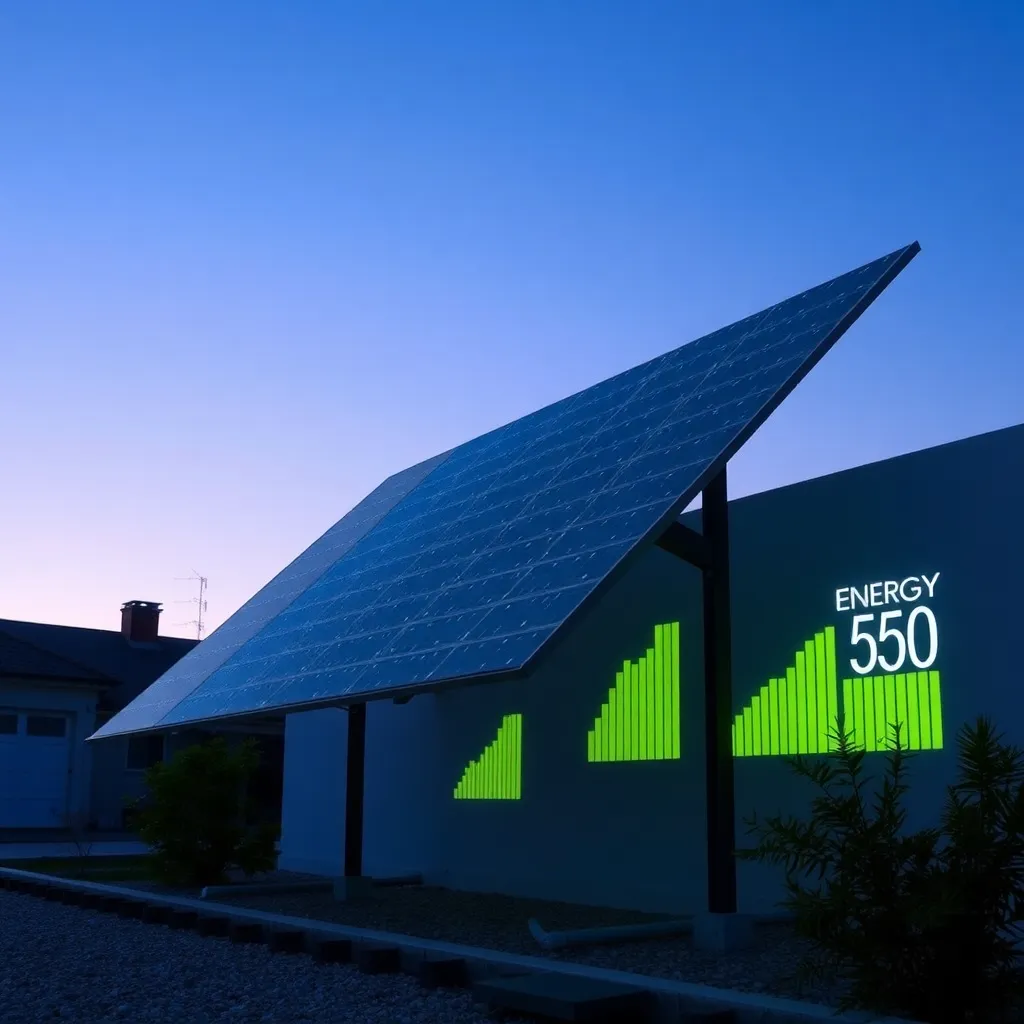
<point>111,658</point>
<point>21,659</point>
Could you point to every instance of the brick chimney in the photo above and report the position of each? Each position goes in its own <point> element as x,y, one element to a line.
<point>140,620</point>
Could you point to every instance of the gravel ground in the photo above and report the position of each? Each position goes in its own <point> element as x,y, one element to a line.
<point>500,922</point>
<point>65,963</point>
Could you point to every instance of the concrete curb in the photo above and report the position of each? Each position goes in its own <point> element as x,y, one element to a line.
<point>675,1000</point>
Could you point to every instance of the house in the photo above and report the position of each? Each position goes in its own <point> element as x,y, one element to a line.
<point>60,683</point>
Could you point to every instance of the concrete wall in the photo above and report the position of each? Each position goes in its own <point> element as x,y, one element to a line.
<point>79,705</point>
<point>632,834</point>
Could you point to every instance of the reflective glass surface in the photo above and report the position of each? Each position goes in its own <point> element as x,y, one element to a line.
<point>147,710</point>
<point>477,566</point>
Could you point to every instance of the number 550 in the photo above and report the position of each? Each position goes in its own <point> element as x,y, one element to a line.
<point>906,642</point>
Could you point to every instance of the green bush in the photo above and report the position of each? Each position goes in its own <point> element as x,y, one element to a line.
<point>926,923</point>
<point>197,818</point>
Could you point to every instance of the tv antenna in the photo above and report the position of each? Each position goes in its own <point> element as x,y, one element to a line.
<point>200,601</point>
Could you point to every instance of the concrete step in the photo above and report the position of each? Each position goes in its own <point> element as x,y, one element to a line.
<point>330,950</point>
<point>374,959</point>
<point>566,997</point>
<point>448,972</point>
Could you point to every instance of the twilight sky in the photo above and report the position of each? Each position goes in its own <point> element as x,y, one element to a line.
<point>255,256</point>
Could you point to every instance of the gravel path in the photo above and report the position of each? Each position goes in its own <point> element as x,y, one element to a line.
<point>66,963</point>
<point>500,922</point>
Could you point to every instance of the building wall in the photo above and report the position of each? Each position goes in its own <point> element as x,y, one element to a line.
<point>632,833</point>
<point>79,705</point>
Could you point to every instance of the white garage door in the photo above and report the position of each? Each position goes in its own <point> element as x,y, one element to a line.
<point>35,759</point>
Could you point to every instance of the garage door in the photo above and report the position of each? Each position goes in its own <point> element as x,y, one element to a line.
<point>35,759</point>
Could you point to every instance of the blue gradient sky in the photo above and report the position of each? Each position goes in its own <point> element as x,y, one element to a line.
<point>256,256</point>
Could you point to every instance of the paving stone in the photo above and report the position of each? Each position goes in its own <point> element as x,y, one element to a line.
<point>329,950</point>
<point>448,972</point>
<point>286,940</point>
<point>373,959</point>
<point>213,924</point>
<point>245,931</point>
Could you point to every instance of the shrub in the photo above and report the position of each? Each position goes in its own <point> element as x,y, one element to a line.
<point>197,817</point>
<point>918,923</point>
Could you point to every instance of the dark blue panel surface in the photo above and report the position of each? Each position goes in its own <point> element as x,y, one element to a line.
<point>477,567</point>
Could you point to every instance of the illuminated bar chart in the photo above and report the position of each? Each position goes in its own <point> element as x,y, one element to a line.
<point>640,721</point>
<point>872,705</point>
<point>794,713</point>
<point>497,773</point>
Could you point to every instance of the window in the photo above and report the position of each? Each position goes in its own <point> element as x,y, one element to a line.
<point>8,724</point>
<point>46,725</point>
<point>144,751</point>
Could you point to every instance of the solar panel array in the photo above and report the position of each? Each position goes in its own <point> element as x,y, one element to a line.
<point>474,569</point>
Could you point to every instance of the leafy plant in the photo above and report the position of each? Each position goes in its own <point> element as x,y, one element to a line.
<point>197,817</point>
<point>925,923</point>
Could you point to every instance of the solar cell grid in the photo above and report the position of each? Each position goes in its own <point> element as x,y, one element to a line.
<point>478,565</point>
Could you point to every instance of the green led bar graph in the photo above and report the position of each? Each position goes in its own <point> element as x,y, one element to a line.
<point>794,713</point>
<point>873,704</point>
<point>497,774</point>
<point>640,720</point>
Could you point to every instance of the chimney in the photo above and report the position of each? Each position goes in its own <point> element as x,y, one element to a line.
<point>140,620</point>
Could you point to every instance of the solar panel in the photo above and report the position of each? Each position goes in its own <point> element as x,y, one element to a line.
<point>474,570</point>
<point>203,660</point>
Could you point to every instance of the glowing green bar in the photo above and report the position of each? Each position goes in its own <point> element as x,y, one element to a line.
<point>869,713</point>
<point>666,681</point>
<point>649,706</point>
<point>791,699</point>
<point>748,728</point>
<point>676,690</point>
<point>735,749</point>
<point>860,728</point>
<point>831,687</point>
<point>810,677</point>
<point>766,725</point>
<point>657,702</point>
<point>655,715</point>
<point>881,739</point>
<point>924,707</point>
<point>632,702</point>
<point>849,713</point>
<point>913,715</point>
<point>819,674</point>
<point>801,704</point>
<point>641,706</point>
<point>618,733</point>
<point>508,759</point>
<point>901,709</point>
<point>889,683</point>
<point>497,757</point>
<point>664,677</point>
<point>517,760</point>
<point>936,710</point>
<point>755,726</point>
<point>773,715</point>
<point>783,716</point>
<point>512,758</point>
<point>622,690</point>
<point>505,768</point>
